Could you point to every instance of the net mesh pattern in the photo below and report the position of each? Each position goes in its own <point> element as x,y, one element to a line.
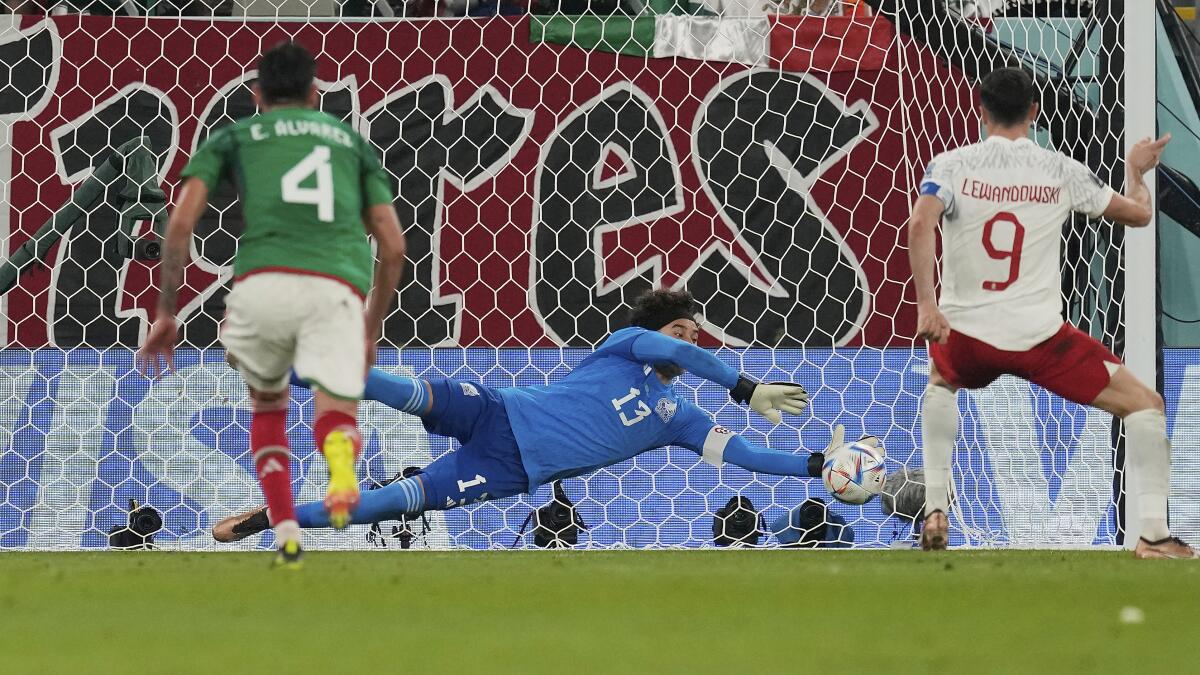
<point>548,168</point>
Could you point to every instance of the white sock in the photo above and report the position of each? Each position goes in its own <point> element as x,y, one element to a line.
<point>286,531</point>
<point>939,431</point>
<point>1148,454</point>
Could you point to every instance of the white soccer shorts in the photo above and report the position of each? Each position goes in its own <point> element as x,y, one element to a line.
<point>277,321</point>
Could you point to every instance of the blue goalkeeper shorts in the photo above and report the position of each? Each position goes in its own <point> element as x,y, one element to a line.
<point>488,465</point>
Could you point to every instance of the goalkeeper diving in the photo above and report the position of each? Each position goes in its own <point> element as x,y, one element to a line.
<point>618,403</point>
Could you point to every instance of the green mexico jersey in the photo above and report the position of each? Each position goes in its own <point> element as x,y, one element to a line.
<point>304,178</point>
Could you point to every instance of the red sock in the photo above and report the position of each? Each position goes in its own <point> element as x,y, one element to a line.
<point>334,420</point>
<point>272,460</point>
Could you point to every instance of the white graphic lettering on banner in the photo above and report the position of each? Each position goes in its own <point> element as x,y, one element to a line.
<point>1014,450</point>
<point>69,460</point>
<point>1185,457</point>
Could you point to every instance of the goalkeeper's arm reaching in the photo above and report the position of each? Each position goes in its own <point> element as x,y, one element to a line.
<point>673,355</point>
<point>717,445</point>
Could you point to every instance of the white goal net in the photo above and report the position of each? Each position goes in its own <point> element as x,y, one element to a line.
<point>548,169</point>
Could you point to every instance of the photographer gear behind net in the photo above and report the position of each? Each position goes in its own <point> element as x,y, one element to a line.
<point>812,525</point>
<point>142,523</point>
<point>557,524</point>
<point>737,524</point>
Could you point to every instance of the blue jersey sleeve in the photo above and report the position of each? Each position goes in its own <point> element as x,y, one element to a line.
<point>696,431</point>
<point>716,445</point>
<point>646,346</point>
<point>756,458</point>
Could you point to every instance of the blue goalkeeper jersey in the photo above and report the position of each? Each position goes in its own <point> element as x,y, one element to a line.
<point>608,409</point>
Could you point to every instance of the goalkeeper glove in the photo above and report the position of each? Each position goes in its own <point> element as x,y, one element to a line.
<point>769,399</point>
<point>837,442</point>
<point>816,460</point>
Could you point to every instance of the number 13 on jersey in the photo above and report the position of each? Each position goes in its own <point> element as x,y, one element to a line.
<point>640,412</point>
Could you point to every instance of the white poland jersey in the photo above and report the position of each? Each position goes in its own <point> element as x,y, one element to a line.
<point>1005,205</point>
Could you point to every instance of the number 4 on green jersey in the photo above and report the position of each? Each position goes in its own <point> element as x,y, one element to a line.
<point>304,179</point>
<point>315,164</point>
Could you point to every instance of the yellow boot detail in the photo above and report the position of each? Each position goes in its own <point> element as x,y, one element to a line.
<point>342,496</point>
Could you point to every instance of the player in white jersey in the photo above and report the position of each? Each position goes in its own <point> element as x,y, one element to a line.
<point>1002,204</point>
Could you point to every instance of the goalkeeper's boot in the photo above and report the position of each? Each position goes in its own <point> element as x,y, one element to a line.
<point>342,496</point>
<point>237,528</point>
<point>934,534</point>
<point>1169,548</point>
<point>290,555</point>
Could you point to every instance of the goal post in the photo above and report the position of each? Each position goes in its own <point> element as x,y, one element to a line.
<point>1143,353</point>
<point>549,168</point>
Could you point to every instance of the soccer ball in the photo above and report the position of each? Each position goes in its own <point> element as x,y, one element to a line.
<point>854,473</point>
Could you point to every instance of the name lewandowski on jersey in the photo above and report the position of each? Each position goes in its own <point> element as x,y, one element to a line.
<point>1040,194</point>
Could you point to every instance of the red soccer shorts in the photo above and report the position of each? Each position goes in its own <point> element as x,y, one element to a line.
<point>1070,363</point>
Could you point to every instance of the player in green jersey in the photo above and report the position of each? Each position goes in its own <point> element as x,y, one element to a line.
<point>308,184</point>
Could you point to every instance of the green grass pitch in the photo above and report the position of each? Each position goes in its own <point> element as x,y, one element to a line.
<point>598,612</point>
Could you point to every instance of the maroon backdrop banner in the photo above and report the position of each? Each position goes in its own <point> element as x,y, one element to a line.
<point>542,186</point>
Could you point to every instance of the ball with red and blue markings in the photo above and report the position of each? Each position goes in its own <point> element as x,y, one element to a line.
<point>854,473</point>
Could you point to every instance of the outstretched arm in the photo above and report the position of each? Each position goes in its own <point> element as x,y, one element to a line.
<point>756,458</point>
<point>717,445</point>
<point>767,399</point>
<point>656,348</point>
